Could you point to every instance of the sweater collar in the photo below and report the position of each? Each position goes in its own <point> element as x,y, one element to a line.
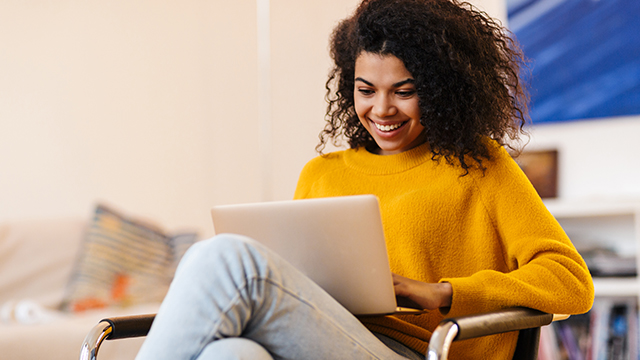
<point>362,160</point>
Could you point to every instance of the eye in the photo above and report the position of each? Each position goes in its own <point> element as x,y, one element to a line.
<point>405,93</point>
<point>366,91</point>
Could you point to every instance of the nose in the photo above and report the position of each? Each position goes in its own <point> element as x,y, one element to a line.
<point>383,107</point>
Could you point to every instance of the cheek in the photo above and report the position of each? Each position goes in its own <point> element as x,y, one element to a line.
<point>360,109</point>
<point>413,110</point>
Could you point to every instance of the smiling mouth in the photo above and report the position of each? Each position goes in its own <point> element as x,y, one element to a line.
<point>388,128</point>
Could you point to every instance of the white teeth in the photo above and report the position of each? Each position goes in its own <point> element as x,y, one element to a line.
<point>388,127</point>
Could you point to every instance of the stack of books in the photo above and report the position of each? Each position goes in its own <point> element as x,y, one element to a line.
<point>608,332</point>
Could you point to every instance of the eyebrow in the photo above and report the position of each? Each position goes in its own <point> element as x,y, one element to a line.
<point>398,84</point>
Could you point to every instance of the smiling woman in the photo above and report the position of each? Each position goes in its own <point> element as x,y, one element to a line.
<point>387,103</point>
<point>465,71</point>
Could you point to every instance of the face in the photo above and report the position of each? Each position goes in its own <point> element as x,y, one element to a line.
<point>386,102</point>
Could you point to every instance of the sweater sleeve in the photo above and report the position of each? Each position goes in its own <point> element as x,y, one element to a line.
<point>547,273</point>
<point>305,181</point>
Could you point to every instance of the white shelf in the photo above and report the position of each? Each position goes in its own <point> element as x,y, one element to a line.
<point>584,208</point>
<point>616,286</point>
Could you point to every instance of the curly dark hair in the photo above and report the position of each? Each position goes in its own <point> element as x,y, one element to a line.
<point>465,66</point>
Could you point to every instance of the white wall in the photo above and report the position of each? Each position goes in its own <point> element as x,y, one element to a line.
<point>153,107</point>
<point>148,105</point>
<point>300,65</point>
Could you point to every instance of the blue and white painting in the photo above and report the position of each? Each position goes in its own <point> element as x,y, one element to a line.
<point>585,56</point>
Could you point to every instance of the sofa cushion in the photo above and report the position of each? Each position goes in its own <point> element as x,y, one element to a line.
<point>36,258</point>
<point>61,338</point>
<point>122,261</point>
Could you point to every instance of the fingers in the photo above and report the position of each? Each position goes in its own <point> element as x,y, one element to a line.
<point>398,279</point>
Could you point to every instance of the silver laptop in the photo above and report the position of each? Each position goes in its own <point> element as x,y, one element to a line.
<point>338,242</point>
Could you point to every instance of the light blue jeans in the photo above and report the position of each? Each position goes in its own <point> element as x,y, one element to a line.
<point>232,298</point>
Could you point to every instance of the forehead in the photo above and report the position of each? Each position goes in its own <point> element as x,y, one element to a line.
<point>383,68</point>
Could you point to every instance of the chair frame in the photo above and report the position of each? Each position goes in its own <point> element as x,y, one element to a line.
<point>527,321</point>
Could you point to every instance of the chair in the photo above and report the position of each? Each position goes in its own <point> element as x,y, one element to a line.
<point>527,321</point>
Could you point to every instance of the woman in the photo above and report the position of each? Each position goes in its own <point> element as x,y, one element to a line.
<point>426,93</point>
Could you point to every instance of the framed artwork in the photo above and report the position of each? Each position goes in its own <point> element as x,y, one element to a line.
<point>541,167</point>
<point>585,57</point>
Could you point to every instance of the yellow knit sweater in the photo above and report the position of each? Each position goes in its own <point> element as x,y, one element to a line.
<point>489,235</point>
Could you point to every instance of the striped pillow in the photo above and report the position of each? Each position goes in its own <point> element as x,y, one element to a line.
<point>122,262</point>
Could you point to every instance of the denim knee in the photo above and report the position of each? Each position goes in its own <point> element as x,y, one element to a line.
<point>220,244</point>
<point>234,349</point>
<point>225,248</point>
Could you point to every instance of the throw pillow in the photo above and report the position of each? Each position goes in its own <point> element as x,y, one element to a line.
<point>122,261</point>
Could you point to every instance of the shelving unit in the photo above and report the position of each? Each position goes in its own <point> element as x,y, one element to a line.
<point>615,225</point>
<point>610,329</point>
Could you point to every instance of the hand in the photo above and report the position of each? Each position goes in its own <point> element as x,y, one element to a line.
<point>428,295</point>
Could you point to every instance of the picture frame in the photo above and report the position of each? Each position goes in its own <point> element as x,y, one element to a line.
<point>541,168</point>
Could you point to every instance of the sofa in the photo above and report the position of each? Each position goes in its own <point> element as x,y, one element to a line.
<point>60,277</point>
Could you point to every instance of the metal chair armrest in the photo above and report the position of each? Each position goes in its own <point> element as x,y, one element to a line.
<point>477,325</point>
<point>449,330</point>
<point>114,328</point>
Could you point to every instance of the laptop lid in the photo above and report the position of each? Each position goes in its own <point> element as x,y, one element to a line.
<point>338,242</point>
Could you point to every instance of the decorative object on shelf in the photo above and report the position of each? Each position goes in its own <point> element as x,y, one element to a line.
<point>541,167</point>
<point>604,262</point>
